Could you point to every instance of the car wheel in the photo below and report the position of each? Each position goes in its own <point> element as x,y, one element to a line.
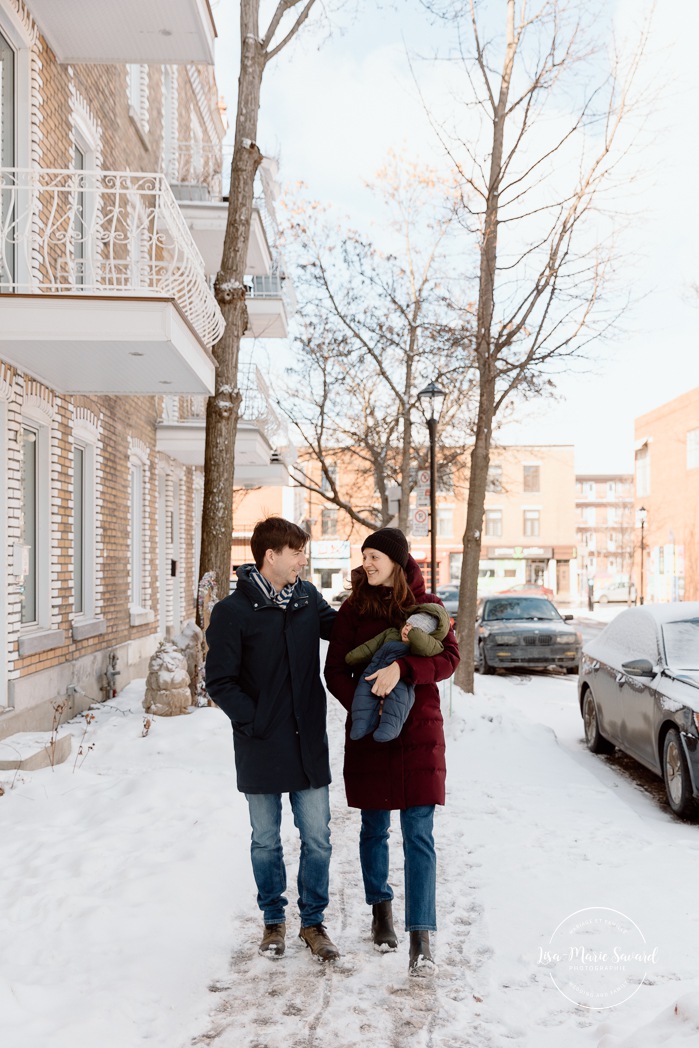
<point>604,599</point>
<point>596,743</point>
<point>572,669</point>
<point>678,785</point>
<point>483,664</point>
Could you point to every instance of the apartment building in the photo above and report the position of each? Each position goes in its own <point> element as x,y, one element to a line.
<point>667,499</point>
<point>111,137</point>
<point>528,529</point>
<point>605,528</point>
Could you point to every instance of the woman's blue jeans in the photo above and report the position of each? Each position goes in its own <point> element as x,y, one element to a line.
<point>311,810</point>
<point>420,862</point>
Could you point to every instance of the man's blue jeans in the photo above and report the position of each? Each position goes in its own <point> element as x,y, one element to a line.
<point>420,863</point>
<point>311,810</point>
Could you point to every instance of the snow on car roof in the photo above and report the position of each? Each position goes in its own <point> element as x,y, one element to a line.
<point>633,633</point>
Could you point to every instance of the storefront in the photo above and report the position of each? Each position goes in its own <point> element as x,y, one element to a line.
<point>329,565</point>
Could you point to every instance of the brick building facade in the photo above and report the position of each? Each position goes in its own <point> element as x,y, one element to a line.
<point>667,488</point>
<point>528,527</point>
<point>104,309</point>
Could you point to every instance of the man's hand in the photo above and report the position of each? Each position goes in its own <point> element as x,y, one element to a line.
<point>384,680</point>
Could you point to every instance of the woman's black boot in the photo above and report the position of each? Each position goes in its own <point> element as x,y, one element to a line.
<point>382,930</point>
<point>421,960</point>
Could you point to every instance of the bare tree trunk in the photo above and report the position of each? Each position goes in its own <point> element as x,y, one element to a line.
<point>222,408</point>
<point>480,455</point>
<point>468,589</point>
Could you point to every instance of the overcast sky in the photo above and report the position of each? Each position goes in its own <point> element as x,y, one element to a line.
<point>332,108</point>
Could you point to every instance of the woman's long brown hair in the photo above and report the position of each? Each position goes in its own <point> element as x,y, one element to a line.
<point>382,602</point>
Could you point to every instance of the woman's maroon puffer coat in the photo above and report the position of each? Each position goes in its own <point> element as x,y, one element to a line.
<point>410,770</point>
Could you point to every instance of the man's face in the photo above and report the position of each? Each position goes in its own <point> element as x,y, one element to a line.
<point>283,567</point>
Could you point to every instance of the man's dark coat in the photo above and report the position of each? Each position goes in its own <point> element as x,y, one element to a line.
<point>263,670</point>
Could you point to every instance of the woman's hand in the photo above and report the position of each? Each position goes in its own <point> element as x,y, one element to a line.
<point>384,680</point>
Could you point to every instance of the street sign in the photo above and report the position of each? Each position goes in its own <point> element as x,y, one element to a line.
<point>422,499</point>
<point>423,478</point>
<point>419,523</point>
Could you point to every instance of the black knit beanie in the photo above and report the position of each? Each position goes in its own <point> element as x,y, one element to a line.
<point>390,541</point>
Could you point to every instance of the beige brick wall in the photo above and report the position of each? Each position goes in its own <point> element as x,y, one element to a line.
<point>96,97</point>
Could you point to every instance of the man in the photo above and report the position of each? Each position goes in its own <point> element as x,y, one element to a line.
<point>263,670</point>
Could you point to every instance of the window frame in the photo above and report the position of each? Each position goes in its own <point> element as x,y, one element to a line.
<point>36,421</point>
<point>527,469</point>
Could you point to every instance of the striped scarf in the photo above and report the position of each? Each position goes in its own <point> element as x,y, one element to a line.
<point>281,599</point>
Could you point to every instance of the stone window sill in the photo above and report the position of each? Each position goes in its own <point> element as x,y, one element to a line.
<point>86,628</point>
<point>141,616</point>
<point>41,640</point>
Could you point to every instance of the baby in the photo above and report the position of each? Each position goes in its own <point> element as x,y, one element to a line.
<point>421,634</point>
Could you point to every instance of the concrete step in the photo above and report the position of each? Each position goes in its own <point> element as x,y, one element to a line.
<point>31,750</point>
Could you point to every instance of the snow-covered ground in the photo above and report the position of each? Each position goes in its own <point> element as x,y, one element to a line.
<point>128,915</point>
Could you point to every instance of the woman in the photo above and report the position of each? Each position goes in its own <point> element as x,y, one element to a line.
<point>408,773</point>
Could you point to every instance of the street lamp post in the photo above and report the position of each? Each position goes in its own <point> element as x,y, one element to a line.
<point>642,517</point>
<point>431,400</point>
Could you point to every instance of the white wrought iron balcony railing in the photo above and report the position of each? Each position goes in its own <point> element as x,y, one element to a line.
<point>202,164</point>
<point>115,233</point>
<point>257,406</point>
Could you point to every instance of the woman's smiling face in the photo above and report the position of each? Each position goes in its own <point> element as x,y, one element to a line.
<point>379,567</point>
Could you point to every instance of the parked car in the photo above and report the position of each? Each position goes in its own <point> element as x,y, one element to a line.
<point>339,598</point>
<point>528,589</point>
<point>449,596</point>
<point>616,592</point>
<point>524,631</point>
<point>639,690</point>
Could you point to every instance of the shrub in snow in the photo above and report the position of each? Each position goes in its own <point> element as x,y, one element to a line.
<point>167,684</point>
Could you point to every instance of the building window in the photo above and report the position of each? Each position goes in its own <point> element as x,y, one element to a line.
<point>531,523</point>
<point>590,490</point>
<point>643,471</point>
<point>78,530</point>
<point>328,522</point>
<point>327,475</point>
<point>494,478</point>
<point>613,514</point>
<point>693,449</point>
<point>532,478</point>
<point>29,522</point>
<point>84,526</point>
<point>445,480</point>
<point>136,534</point>
<point>445,523</point>
<point>661,560</point>
<point>493,523</point>
<point>589,514</point>
<point>611,489</point>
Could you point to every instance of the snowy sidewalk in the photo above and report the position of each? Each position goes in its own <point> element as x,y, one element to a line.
<point>128,915</point>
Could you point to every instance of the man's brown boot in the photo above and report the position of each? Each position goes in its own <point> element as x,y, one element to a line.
<point>272,944</point>
<point>319,943</point>
<point>421,960</point>
<point>383,933</point>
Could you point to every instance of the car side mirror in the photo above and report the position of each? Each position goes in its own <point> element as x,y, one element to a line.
<point>638,668</point>
<point>568,618</point>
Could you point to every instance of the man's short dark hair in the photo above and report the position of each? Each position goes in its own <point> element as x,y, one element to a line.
<point>275,533</point>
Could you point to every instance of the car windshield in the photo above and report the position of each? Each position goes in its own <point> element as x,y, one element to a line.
<point>519,608</point>
<point>681,641</point>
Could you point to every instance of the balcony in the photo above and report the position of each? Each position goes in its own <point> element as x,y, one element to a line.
<point>102,289</point>
<point>160,31</point>
<point>181,432</point>
<point>199,175</point>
